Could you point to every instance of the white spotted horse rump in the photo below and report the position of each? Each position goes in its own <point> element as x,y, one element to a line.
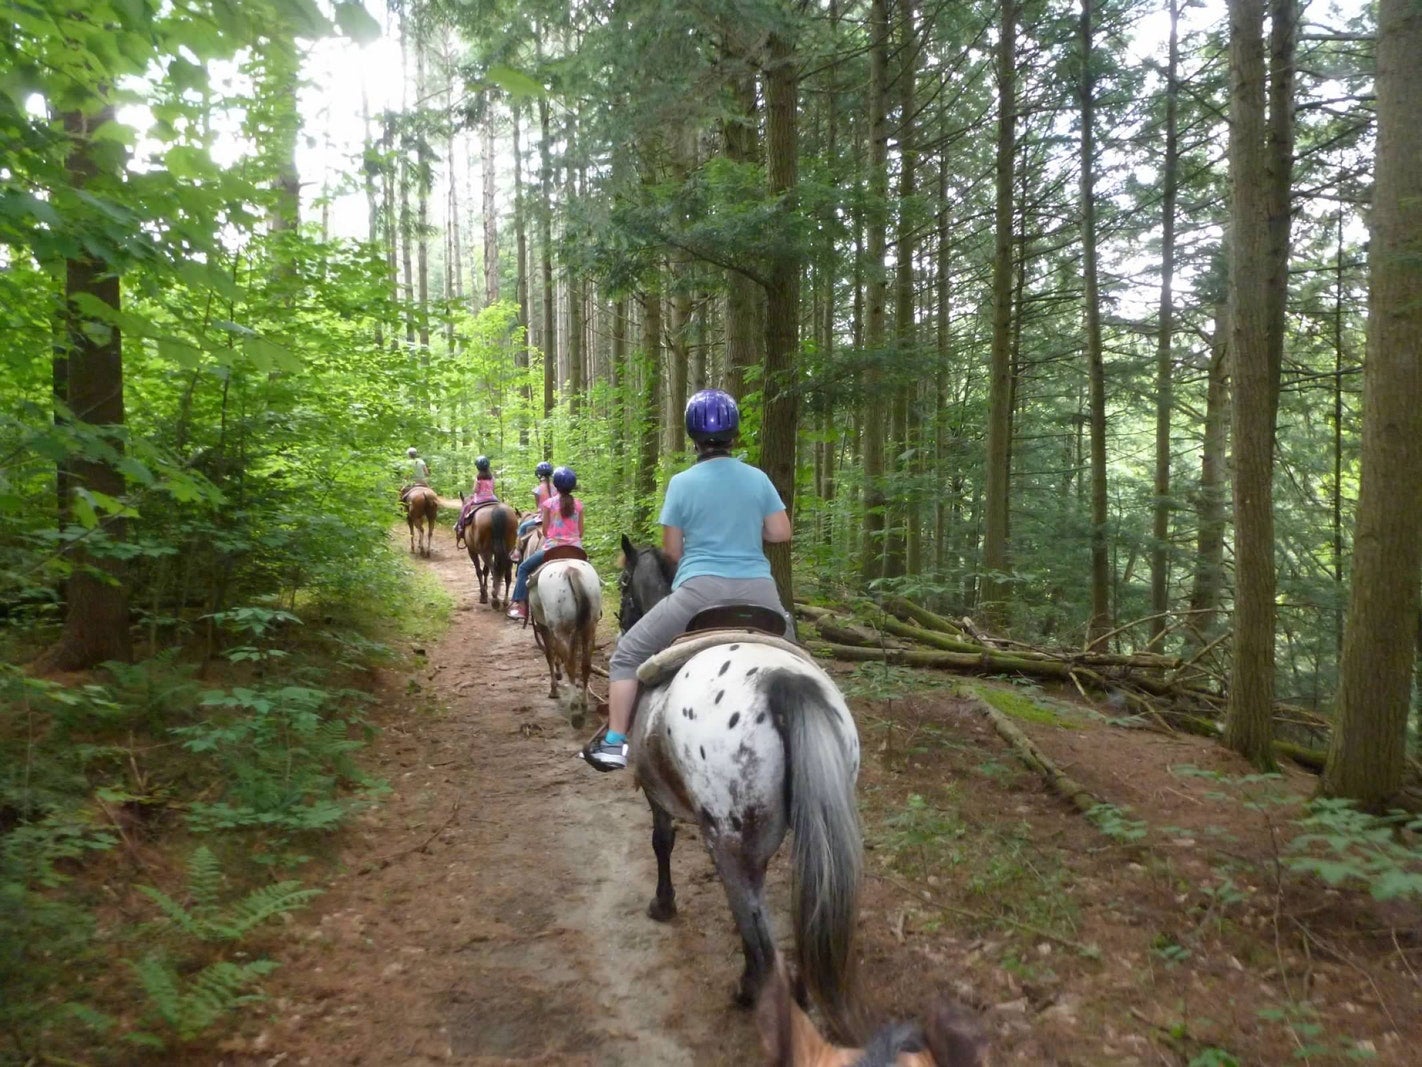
<point>565,594</point>
<point>716,731</point>
<point>750,742</point>
<point>565,602</point>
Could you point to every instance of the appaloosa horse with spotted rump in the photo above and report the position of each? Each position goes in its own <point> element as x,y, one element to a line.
<point>744,736</point>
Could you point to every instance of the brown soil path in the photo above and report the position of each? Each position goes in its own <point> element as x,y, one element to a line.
<point>491,909</point>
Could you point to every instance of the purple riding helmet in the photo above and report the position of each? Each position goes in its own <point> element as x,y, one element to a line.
<point>564,480</point>
<point>712,415</point>
<point>544,469</point>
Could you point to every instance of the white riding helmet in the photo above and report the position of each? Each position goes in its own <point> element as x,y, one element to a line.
<point>412,453</point>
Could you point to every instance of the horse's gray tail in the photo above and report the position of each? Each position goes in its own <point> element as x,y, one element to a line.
<point>827,849</point>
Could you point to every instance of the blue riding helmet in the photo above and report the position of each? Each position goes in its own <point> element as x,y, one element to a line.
<point>544,469</point>
<point>564,480</point>
<point>712,413</point>
<point>482,463</point>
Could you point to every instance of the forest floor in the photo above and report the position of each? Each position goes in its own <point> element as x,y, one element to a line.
<point>491,910</point>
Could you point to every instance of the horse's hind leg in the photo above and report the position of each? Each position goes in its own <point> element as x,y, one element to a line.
<point>744,880</point>
<point>663,905</point>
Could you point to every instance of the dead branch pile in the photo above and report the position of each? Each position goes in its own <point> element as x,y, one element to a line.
<point>1146,688</point>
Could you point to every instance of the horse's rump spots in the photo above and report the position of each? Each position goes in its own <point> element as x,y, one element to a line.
<point>735,718</point>
<point>760,718</point>
<point>725,666</point>
<point>719,696</point>
<point>703,751</point>
<point>751,671</point>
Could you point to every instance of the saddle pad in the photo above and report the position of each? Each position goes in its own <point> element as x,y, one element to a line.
<point>666,663</point>
<point>564,552</point>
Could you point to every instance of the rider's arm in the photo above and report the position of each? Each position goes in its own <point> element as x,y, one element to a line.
<point>775,528</point>
<point>672,543</point>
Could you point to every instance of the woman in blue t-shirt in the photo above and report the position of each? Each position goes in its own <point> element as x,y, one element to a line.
<point>714,518</point>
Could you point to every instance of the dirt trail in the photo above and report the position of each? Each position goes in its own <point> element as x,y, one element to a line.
<point>492,909</point>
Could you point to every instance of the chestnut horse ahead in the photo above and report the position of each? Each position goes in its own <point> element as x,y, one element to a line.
<point>421,513</point>
<point>490,538</point>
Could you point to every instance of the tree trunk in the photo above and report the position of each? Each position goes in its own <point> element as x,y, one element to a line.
<point>995,563</point>
<point>745,327</point>
<point>1207,588</point>
<point>1369,744</point>
<point>1258,281</point>
<point>780,422</point>
<point>545,232</point>
<point>96,621</point>
<point>1164,365</point>
<point>1099,625</point>
<point>876,293</point>
<point>491,217</point>
<point>904,525</point>
<point>525,388</point>
<point>650,409</point>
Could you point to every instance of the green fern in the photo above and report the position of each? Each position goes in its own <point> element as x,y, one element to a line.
<point>209,920</point>
<point>188,1006</point>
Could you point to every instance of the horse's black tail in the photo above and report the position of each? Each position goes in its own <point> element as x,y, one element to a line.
<point>499,532</point>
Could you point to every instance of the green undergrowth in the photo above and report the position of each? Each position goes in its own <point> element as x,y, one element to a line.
<point>156,817</point>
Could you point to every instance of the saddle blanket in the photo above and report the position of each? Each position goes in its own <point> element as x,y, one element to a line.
<point>666,663</point>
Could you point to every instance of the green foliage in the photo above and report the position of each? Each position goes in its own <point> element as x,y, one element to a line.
<point>188,1003</point>
<point>188,1006</point>
<point>283,760</point>
<point>210,920</point>
<point>1116,823</point>
<point>1345,846</point>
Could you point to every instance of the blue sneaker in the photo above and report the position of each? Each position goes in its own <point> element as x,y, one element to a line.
<point>604,756</point>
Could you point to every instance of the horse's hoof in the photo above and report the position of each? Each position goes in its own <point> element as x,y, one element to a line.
<point>662,912</point>
<point>576,720</point>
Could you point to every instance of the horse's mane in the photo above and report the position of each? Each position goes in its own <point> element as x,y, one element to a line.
<point>668,568</point>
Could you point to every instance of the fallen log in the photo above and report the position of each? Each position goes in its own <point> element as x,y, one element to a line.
<point>1061,783</point>
<point>911,612</point>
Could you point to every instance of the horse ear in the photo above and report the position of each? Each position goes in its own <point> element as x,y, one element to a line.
<point>629,550</point>
<point>955,1036</point>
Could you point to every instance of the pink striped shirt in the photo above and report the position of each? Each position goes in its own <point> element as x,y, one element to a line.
<point>560,531</point>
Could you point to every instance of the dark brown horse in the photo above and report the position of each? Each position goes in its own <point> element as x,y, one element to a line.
<point>490,538</point>
<point>421,513</point>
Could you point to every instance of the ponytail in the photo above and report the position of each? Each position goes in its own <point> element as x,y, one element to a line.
<point>566,503</point>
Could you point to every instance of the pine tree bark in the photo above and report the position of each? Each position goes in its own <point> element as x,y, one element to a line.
<point>995,562</point>
<point>650,413</point>
<point>1366,756</point>
<point>96,619</point>
<point>521,283</point>
<point>780,423</point>
<point>1099,623</point>
<point>491,217</point>
<point>1260,170</point>
<point>545,233</point>
<point>745,318</point>
<point>1164,364</point>
<point>903,538</point>
<point>1207,586</point>
<point>876,294</point>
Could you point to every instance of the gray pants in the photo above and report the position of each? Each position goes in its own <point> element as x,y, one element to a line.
<point>664,623</point>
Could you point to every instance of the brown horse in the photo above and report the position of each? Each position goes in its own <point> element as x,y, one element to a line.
<point>951,1036</point>
<point>421,511</point>
<point>490,538</point>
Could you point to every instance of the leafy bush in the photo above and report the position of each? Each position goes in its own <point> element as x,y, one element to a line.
<point>282,759</point>
<point>1343,845</point>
